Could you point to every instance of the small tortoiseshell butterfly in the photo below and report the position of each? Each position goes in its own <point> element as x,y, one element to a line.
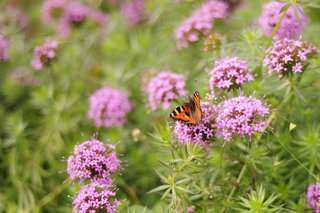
<point>189,112</point>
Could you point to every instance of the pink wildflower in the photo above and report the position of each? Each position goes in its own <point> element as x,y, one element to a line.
<point>133,11</point>
<point>44,54</point>
<point>229,73</point>
<point>93,160</point>
<point>289,28</point>
<point>164,88</point>
<point>69,14</point>
<point>96,197</point>
<point>200,23</point>
<point>241,116</point>
<point>53,9</point>
<point>4,56</point>
<point>313,197</point>
<point>200,133</point>
<point>108,107</point>
<point>287,55</point>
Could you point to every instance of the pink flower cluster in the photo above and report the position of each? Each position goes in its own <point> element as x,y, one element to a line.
<point>289,27</point>
<point>4,56</point>
<point>108,107</point>
<point>95,197</point>
<point>200,133</point>
<point>287,55</point>
<point>164,88</point>
<point>70,13</point>
<point>200,22</point>
<point>44,54</point>
<point>242,116</point>
<point>229,73</point>
<point>92,163</point>
<point>133,11</point>
<point>91,160</point>
<point>313,197</point>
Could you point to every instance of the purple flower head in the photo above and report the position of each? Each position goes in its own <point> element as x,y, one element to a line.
<point>313,197</point>
<point>108,107</point>
<point>241,116</point>
<point>190,209</point>
<point>200,22</point>
<point>95,197</point>
<point>289,27</point>
<point>53,9</point>
<point>93,160</point>
<point>200,133</point>
<point>70,14</point>
<point>44,54</point>
<point>229,73</point>
<point>133,11</point>
<point>4,56</point>
<point>99,17</point>
<point>164,87</point>
<point>287,55</point>
<point>74,14</point>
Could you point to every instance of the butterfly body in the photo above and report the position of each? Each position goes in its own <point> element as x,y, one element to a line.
<point>189,112</point>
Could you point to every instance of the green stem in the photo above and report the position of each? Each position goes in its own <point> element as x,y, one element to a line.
<point>186,162</point>
<point>203,197</point>
<point>296,159</point>
<point>272,35</point>
<point>272,116</point>
<point>236,184</point>
<point>277,26</point>
<point>49,197</point>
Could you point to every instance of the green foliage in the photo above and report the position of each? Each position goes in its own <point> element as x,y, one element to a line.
<point>258,203</point>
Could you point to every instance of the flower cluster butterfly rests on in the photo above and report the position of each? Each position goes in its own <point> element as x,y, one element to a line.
<point>189,112</point>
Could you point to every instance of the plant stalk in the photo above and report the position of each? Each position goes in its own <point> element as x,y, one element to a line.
<point>235,185</point>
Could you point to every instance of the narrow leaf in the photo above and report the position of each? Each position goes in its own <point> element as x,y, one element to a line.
<point>165,194</point>
<point>300,95</point>
<point>184,189</point>
<point>164,164</point>
<point>284,8</point>
<point>159,188</point>
<point>160,175</point>
<point>296,14</point>
<point>183,181</point>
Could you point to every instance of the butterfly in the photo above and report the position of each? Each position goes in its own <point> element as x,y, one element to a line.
<point>189,112</point>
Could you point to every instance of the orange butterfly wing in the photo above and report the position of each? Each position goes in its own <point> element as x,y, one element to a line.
<point>196,112</point>
<point>188,112</point>
<point>181,113</point>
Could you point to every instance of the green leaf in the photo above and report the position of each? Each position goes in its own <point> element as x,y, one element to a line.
<point>163,178</point>
<point>184,189</point>
<point>159,188</point>
<point>165,164</point>
<point>296,14</point>
<point>183,181</point>
<point>284,8</point>
<point>165,193</point>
